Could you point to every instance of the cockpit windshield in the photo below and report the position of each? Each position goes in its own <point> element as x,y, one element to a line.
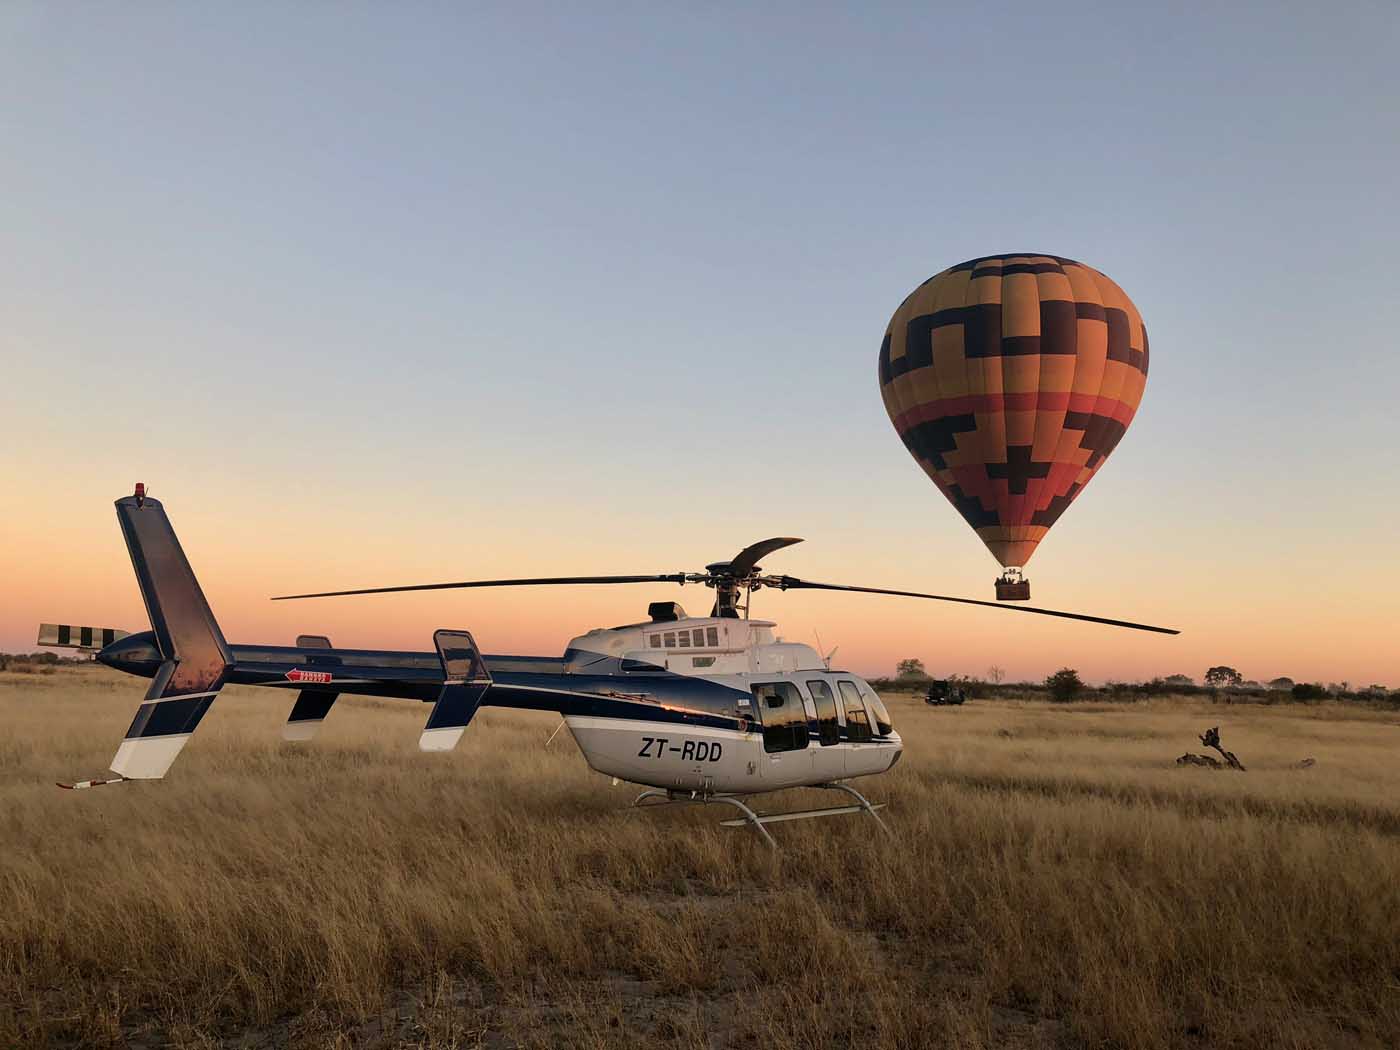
<point>857,720</point>
<point>883,724</point>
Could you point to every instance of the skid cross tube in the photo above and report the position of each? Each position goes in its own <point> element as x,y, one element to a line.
<point>750,817</point>
<point>864,802</point>
<point>757,820</point>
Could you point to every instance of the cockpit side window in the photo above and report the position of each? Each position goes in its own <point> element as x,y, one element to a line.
<point>857,721</point>
<point>779,705</point>
<point>828,724</point>
<point>883,723</point>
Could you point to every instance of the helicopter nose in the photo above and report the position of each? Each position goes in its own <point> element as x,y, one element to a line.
<point>898,750</point>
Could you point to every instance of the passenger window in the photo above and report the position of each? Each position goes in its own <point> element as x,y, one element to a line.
<point>702,661</point>
<point>655,641</point>
<point>712,637</point>
<point>828,726</point>
<point>683,639</point>
<point>698,637</point>
<point>857,721</point>
<point>779,704</point>
<point>883,724</point>
<point>670,639</point>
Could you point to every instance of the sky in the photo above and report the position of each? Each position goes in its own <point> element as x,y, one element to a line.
<point>378,294</point>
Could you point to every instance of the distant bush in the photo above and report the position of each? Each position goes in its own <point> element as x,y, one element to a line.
<point>1309,691</point>
<point>973,688</point>
<point>36,663</point>
<point>1064,685</point>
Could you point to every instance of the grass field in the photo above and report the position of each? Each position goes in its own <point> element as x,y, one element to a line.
<point>1056,881</point>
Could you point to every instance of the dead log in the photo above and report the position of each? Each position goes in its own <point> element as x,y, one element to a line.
<point>1211,738</point>
<point>1189,759</point>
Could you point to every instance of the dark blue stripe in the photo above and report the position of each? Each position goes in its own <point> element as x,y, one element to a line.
<point>311,707</point>
<point>455,706</point>
<point>166,717</point>
<point>578,703</point>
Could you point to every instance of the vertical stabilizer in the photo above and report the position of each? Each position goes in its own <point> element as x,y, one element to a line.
<point>195,657</point>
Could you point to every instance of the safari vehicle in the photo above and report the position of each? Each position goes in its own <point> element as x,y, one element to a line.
<point>942,692</point>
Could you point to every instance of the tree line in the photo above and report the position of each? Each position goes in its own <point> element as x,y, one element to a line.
<point>1218,681</point>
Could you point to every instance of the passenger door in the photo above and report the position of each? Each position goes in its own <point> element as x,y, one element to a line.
<point>786,758</point>
<point>828,757</point>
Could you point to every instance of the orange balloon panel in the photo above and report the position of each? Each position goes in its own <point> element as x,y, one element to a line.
<point>1010,379</point>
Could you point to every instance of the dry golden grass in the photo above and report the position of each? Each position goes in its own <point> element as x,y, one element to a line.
<point>1056,881</point>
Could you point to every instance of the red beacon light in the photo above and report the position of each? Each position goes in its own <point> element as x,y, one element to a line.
<point>140,493</point>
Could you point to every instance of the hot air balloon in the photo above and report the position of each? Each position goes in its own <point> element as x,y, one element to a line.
<point>1010,379</point>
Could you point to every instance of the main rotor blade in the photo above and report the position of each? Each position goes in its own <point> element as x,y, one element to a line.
<point>544,581</point>
<point>747,559</point>
<point>792,583</point>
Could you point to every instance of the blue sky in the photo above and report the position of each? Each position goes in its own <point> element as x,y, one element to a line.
<point>623,273</point>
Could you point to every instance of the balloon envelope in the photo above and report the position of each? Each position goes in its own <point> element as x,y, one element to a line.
<point>1010,379</point>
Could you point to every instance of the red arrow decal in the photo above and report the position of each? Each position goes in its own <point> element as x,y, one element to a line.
<point>298,675</point>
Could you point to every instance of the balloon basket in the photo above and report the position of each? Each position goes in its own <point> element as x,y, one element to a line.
<point>1013,590</point>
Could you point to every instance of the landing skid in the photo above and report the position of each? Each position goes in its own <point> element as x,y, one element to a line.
<point>757,820</point>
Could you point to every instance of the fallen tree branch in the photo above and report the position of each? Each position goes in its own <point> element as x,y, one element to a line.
<point>1211,738</point>
<point>1189,759</point>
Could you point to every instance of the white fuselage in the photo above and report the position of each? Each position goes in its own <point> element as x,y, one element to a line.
<point>737,757</point>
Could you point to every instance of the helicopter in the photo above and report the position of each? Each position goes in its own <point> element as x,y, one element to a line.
<point>703,709</point>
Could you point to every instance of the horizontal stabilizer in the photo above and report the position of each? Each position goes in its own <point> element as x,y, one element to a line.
<point>465,681</point>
